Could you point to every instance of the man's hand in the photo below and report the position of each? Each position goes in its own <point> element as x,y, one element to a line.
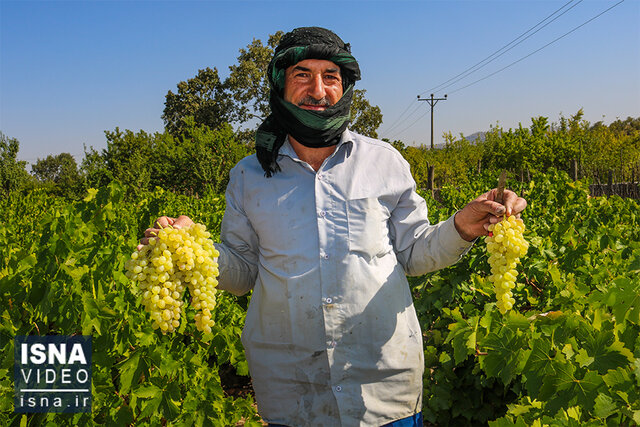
<point>474,219</point>
<point>164,221</point>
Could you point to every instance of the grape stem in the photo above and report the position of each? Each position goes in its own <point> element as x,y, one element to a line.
<point>529,282</point>
<point>480,353</point>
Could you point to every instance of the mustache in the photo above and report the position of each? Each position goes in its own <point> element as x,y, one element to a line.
<point>312,101</point>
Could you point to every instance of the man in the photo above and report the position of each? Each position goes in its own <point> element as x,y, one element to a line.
<point>324,225</point>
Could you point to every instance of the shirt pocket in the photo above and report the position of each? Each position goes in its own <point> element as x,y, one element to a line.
<point>367,223</point>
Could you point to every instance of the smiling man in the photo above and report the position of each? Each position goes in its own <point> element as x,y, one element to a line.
<point>323,225</point>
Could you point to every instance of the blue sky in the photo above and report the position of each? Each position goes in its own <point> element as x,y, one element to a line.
<point>69,70</point>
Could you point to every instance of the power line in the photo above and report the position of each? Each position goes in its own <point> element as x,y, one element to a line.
<point>537,50</point>
<point>401,119</point>
<point>398,123</point>
<point>519,60</point>
<point>411,125</point>
<point>495,54</point>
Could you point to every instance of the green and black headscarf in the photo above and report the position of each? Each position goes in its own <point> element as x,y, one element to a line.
<point>311,128</point>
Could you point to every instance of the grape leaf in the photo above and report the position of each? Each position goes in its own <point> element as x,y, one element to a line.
<point>503,354</point>
<point>604,406</point>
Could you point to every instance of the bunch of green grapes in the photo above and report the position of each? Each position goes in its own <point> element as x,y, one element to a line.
<point>505,246</point>
<point>174,260</point>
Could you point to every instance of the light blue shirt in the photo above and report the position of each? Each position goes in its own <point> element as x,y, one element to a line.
<point>331,334</point>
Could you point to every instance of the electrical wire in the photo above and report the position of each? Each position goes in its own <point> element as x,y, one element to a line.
<point>495,55</point>
<point>398,122</point>
<point>401,119</point>
<point>521,59</point>
<point>537,50</point>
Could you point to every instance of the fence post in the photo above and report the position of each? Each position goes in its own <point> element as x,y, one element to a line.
<point>430,179</point>
<point>610,183</point>
<point>574,169</point>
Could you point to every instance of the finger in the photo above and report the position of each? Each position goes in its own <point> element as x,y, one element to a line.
<point>151,232</point>
<point>493,208</point>
<point>182,221</point>
<point>495,219</point>
<point>164,221</point>
<point>514,204</point>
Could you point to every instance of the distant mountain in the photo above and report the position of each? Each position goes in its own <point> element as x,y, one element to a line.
<point>476,135</point>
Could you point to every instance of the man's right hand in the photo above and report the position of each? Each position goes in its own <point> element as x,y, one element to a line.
<point>164,221</point>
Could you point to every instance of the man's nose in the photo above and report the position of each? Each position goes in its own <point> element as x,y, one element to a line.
<point>316,87</point>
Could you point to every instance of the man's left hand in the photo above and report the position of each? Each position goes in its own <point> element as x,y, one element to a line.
<point>474,219</point>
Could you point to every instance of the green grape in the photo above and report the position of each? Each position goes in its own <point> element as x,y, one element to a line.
<point>505,245</point>
<point>171,262</point>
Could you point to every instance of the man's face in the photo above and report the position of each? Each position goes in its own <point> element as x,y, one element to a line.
<point>313,84</point>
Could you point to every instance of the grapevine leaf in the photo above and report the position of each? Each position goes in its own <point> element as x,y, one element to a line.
<point>517,321</point>
<point>124,416</point>
<point>147,391</point>
<point>503,354</point>
<point>615,379</point>
<point>169,398</point>
<point>604,406</point>
<point>127,372</point>
<point>539,359</point>
<point>583,358</point>
<point>90,316</point>
<point>623,297</point>
<point>606,353</point>
<point>636,370</point>
<point>150,407</point>
<point>168,365</point>
<point>507,422</point>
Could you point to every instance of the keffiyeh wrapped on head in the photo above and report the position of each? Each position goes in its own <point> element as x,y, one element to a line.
<point>312,128</point>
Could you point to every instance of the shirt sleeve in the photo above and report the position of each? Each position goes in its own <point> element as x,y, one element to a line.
<point>420,246</point>
<point>238,260</point>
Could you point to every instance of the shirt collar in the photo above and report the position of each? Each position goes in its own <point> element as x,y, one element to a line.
<point>287,149</point>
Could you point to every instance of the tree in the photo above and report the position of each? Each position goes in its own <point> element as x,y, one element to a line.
<point>365,119</point>
<point>248,82</point>
<point>13,174</point>
<point>59,171</point>
<point>204,97</point>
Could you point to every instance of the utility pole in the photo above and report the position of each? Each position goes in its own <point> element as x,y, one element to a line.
<point>432,101</point>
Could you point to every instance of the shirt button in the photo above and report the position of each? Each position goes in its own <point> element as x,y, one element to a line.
<point>338,388</point>
<point>329,300</point>
<point>323,214</point>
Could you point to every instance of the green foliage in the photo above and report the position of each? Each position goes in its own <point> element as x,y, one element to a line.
<point>196,161</point>
<point>203,97</point>
<point>454,164</point>
<point>597,150</point>
<point>365,119</point>
<point>569,351</point>
<point>59,171</point>
<point>567,354</point>
<point>248,81</point>
<point>69,280</point>
<point>12,171</point>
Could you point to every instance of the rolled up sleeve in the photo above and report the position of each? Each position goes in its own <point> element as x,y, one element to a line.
<point>420,246</point>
